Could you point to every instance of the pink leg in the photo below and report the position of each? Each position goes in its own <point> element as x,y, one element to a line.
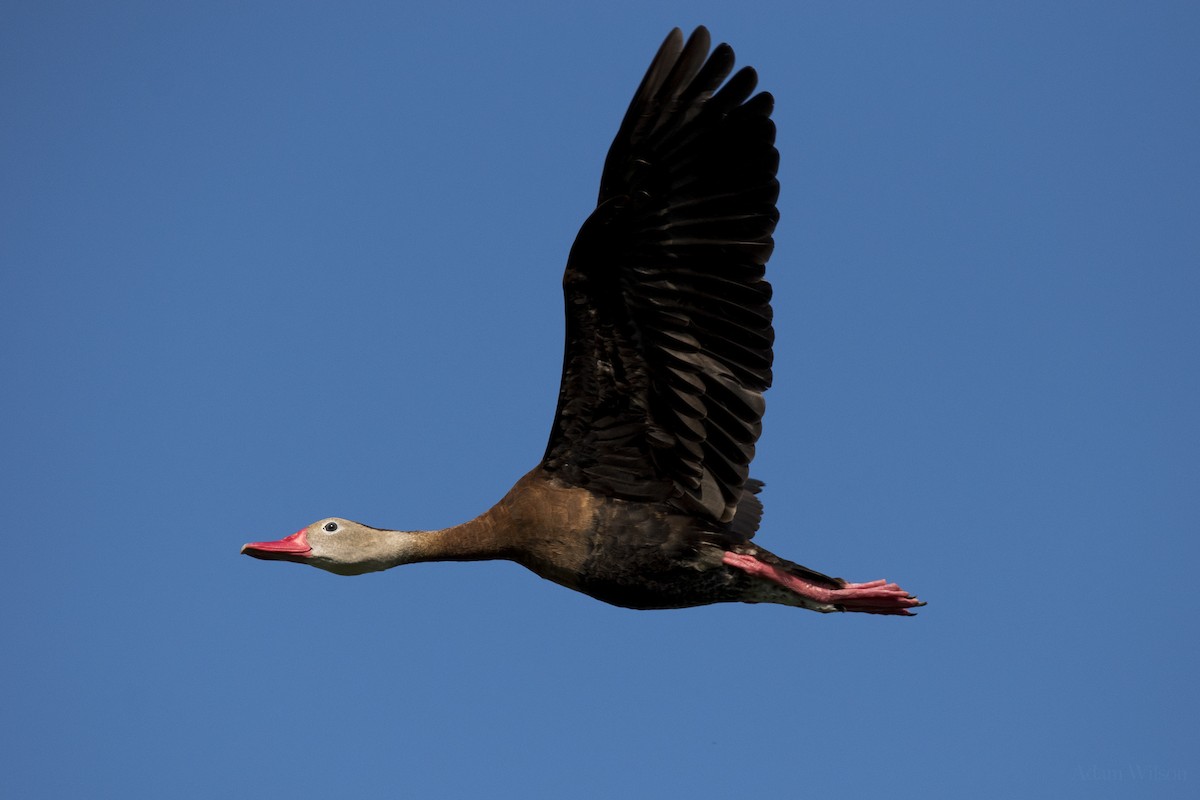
<point>875,597</point>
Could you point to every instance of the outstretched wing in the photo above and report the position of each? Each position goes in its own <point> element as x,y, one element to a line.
<point>668,345</point>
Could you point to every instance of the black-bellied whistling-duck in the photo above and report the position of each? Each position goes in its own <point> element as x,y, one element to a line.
<point>643,498</point>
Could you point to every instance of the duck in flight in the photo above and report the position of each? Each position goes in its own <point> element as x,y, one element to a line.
<point>643,498</point>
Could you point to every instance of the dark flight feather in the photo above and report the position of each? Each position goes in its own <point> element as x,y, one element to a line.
<point>668,341</point>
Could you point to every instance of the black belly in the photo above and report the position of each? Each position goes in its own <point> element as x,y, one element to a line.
<point>665,590</point>
<point>647,556</point>
<point>666,571</point>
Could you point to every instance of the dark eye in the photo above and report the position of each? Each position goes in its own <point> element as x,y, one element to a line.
<point>331,526</point>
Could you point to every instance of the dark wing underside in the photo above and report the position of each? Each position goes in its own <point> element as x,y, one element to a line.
<point>668,341</point>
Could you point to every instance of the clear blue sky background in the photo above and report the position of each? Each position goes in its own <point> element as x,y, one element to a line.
<point>268,262</point>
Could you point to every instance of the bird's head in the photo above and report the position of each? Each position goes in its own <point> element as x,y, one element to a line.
<point>334,545</point>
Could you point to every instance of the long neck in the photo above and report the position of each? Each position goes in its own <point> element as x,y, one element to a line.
<point>480,539</point>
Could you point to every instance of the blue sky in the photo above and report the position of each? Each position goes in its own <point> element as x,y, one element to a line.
<point>263,263</point>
